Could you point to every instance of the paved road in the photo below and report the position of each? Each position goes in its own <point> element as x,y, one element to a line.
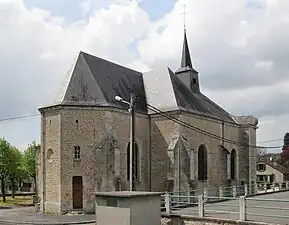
<point>265,208</point>
<point>27,215</point>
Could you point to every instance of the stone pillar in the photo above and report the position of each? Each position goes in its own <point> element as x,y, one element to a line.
<point>128,208</point>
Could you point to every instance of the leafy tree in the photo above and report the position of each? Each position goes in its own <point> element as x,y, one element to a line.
<point>285,150</point>
<point>5,150</point>
<point>29,161</point>
<point>14,167</point>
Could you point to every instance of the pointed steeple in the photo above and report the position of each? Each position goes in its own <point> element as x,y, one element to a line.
<point>186,56</point>
<point>186,73</point>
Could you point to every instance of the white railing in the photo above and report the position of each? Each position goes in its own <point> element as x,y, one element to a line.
<point>242,200</point>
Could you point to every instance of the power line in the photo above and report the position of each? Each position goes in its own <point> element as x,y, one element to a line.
<point>274,140</point>
<point>180,122</point>
<point>189,126</point>
<point>19,117</point>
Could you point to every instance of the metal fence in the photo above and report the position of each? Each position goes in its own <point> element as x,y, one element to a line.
<point>236,202</point>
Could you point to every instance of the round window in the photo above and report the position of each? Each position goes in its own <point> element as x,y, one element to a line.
<point>49,154</point>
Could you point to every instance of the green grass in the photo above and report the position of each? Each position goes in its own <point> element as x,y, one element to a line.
<point>18,200</point>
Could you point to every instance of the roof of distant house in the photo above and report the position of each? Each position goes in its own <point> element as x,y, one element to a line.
<point>275,166</point>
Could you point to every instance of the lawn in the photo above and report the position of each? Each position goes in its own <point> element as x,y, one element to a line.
<point>18,200</point>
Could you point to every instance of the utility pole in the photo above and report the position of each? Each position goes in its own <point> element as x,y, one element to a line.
<point>132,152</point>
<point>132,143</point>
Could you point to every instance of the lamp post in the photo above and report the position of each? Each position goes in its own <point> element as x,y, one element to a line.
<point>132,137</point>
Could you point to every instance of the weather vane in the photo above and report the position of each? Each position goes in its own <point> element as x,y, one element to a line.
<point>184,13</point>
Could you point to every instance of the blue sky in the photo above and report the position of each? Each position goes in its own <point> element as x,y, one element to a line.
<point>70,10</point>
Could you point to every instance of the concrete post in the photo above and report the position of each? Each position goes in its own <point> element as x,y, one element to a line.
<point>256,189</point>
<point>168,203</point>
<point>246,189</point>
<point>221,194</point>
<point>273,186</point>
<point>234,191</point>
<point>242,208</point>
<point>206,194</point>
<point>280,186</point>
<point>287,185</point>
<point>189,196</point>
<point>265,187</point>
<point>201,204</point>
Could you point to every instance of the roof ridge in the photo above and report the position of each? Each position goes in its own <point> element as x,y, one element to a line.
<point>109,62</point>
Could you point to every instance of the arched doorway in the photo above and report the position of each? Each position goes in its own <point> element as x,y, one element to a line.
<point>77,192</point>
<point>202,163</point>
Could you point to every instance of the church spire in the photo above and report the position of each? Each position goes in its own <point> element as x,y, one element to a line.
<point>186,56</point>
<point>187,74</point>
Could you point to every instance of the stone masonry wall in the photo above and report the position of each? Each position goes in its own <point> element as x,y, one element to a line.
<point>93,129</point>
<point>162,133</point>
<point>217,161</point>
<point>51,152</point>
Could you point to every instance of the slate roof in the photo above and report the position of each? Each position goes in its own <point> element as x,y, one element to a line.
<point>188,100</point>
<point>186,62</point>
<point>165,91</point>
<point>95,82</point>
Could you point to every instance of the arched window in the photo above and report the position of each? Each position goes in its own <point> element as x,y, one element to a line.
<point>233,164</point>
<point>202,163</point>
<point>135,159</point>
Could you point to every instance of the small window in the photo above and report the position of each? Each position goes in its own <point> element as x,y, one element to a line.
<point>77,152</point>
<point>76,121</point>
<point>194,81</point>
<point>261,167</point>
<point>49,154</point>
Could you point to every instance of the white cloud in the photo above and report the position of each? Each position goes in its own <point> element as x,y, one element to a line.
<point>239,47</point>
<point>37,49</point>
<point>240,50</point>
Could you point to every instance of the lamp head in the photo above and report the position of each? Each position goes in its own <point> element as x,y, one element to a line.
<point>118,98</point>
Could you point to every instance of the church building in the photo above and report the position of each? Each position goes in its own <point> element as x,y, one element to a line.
<point>183,140</point>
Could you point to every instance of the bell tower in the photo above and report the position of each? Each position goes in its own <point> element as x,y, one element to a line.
<point>186,73</point>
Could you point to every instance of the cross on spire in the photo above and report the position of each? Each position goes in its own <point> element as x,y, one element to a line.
<point>184,14</point>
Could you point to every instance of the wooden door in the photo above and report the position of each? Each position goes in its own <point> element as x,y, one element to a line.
<point>77,190</point>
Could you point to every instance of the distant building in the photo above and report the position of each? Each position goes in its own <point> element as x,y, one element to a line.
<point>271,171</point>
<point>85,135</point>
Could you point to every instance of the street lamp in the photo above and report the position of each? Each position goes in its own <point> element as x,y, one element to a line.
<point>132,136</point>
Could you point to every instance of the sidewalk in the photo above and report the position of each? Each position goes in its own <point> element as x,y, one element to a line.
<point>27,215</point>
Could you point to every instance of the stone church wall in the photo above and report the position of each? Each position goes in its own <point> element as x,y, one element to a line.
<point>217,156</point>
<point>95,130</point>
<point>162,132</point>
<point>49,174</point>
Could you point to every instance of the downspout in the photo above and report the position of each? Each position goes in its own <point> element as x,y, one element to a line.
<point>150,155</point>
<point>179,168</point>
<point>223,132</point>
<point>43,162</point>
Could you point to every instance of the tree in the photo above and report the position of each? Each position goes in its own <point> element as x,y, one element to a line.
<point>285,150</point>
<point>14,167</point>
<point>29,161</point>
<point>4,156</point>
